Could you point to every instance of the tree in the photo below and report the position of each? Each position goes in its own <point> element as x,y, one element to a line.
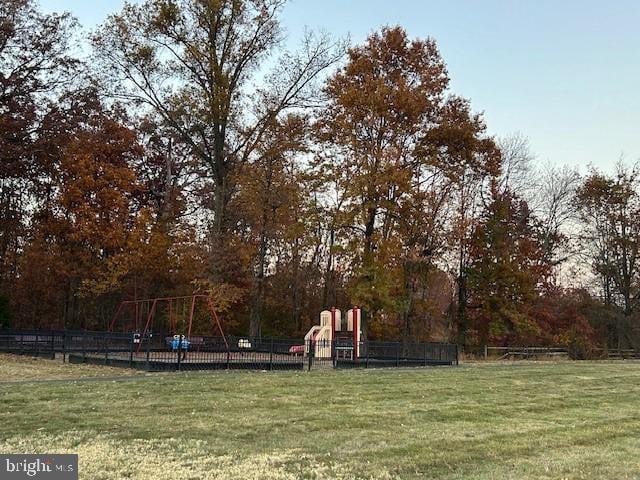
<point>505,270</point>
<point>517,172</point>
<point>471,161</point>
<point>556,211</point>
<point>609,209</point>
<point>397,150</point>
<point>193,62</point>
<point>35,67</point>
<point>267,197</point>
<point>81,232</point>
<point>380,105</point>
<point>570,318</point>
<point>549,191</point>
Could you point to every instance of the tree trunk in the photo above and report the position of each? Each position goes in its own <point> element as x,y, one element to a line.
<point>461,314</point>
<point>257,288</point>
<point>329,294</point>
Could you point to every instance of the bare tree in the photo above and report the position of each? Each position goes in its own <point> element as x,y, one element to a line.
<point>517,172</point>
<point>556,212</point>
<point>548,190</point>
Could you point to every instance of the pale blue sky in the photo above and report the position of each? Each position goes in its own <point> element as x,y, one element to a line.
<point>564,73</point>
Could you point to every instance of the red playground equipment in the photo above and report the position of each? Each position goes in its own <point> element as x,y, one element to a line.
<point>334,338</point>
<point>146,310</point>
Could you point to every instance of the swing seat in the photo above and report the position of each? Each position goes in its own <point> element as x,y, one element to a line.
<point>176,343</point>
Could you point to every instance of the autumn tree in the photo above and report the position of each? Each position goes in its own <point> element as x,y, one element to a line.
<point>556,210</point>
<point>517,170</point>
<point>609,209</point>
<point>398,146</point>
<point>380,104</point>
<point>82,229</point>
<point>471,161</point>
<point>505,271</point>
<point>267,197</point>
<point>35,66</point>
<point>194,62</point>
<point>171,187</point>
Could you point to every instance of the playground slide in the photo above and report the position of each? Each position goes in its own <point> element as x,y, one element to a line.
<point>321,336</point>
<point>310,337</point>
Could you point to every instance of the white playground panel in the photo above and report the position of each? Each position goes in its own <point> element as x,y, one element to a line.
<point>351,313</point>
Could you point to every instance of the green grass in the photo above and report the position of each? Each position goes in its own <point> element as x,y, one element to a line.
<point>491,421</point>
<point>14,368</point>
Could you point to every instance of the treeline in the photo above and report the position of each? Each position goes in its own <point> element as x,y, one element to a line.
<point>189,152</point>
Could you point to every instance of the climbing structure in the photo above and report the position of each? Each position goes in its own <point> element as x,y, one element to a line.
<point>333,338</point>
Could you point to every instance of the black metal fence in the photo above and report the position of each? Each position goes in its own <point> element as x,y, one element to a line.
<point>157,352</point>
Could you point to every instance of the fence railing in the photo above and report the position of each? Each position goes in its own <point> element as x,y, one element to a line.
<point>525,352</point>
<point>618,353</point>
<point>537,352</point>
<point>156,352</point>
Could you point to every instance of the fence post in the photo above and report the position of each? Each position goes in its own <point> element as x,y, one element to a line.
<point>334,352</point>
<point>179,351</point>
<point>148,365</point>
<point>425,354</point>
<point>64,346</point>
<point>84,347</point>
<point>486,351</point>
<point>22,344</point>
<point>457,355</point>
<point>397,354</point>
<point>53,346</point>
<point>131,351</point>
<point>271,354</point>
<point>366,364</point>
<point>37,344</point>
<point>312,348</point>
<point>106,349</point>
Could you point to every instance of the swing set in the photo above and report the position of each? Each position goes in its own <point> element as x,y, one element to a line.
<point>180,312</point>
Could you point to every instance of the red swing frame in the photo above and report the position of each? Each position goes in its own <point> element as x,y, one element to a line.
<point>151,305</point>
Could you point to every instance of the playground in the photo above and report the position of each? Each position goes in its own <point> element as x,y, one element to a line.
<point>152,335</point>
<point>518,420</point>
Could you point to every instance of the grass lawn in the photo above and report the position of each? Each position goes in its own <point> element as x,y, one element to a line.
<point>487,421</point>
<point>14,368</point>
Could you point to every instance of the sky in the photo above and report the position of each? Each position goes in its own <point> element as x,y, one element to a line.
<point>564,74</point>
